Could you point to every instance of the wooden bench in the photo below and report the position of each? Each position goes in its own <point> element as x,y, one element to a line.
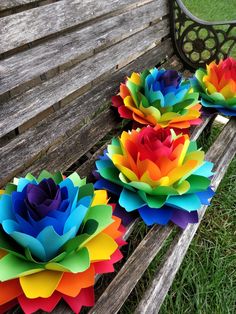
<point>61,61</point>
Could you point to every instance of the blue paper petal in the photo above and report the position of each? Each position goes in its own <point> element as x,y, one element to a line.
<point>205,196</point>
<point>130,200</point>
<point>52,242</point>
<point>33,244</point>
<point>188,202</point>
<point>75,219</point>
<point>6,208</point>
<point>227,112</point>
<point>205,170</point>
<point>107,185</point>
<point>155,215</point>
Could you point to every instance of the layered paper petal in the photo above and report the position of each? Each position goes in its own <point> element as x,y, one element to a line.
<point>160,98</point>
<point>217,86</point>
<point>161,175</point>
<point>56,234</point>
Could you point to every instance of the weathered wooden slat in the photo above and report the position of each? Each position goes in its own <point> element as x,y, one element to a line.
<point>76,46</point>
<point>221,153</point>
<point>9,4</point>
<point>28,26</point>
<point>98,67</point>
<point>21,152</point>
<point>137,263</point>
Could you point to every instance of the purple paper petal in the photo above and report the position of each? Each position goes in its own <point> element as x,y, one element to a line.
<point>182,217</point>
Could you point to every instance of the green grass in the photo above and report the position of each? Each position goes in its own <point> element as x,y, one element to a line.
<point>212,10</point>
<point>206,280</point>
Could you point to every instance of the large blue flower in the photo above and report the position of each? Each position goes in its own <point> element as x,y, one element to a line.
<point>56,234</point>
<point>38,210</point>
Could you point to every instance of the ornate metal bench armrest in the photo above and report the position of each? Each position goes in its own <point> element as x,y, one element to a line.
<point>196,41</point>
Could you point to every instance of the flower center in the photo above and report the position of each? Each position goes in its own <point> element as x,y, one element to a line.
<point>42,198</point>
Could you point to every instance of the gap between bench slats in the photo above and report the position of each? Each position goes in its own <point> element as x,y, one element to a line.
<point>150,246</point>
<point>9,4</point>
<point>221,153</point>
<point>76,46</point>
<point>56,17</point>
<point>21,152</point>
<point>96,68</point>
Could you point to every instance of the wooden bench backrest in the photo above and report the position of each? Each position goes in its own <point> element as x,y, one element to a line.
<point>61,61</point>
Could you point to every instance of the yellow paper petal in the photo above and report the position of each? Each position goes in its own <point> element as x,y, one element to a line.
<point>176,174</point>
<point>164,181</point>
<point>101,247</point>
<point>151,112</point>
<point>146,179</point>
<point>197,155</point>
<point>183,187</point>
<point>127,172</point>
<point>129,103</point>
<point>211,88</point>
<point>227,91</point>
<point>169,116</point>
<point>40,285</point>
<point>100,198</point>
<point>135,78</point>
<point>183,152</point>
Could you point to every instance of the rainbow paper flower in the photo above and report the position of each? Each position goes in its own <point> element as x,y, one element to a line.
<point>217,86</point>
<point>160,98</point>
<point>162,176</point>
<point>56,234</point>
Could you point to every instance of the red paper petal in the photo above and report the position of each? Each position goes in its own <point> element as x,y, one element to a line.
<point>125,112</point>
<point>85,298</point>
<point>117,101</point>
<point>32,305</point>
<point>107,266</point>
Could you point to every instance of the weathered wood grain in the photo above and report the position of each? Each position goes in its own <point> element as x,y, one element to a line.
<point>76,46</point>
<point>28,26</point>
<point>98,67</point>
<point>9,4</point>
<point>134,268</point>
<point>22,152</point>
<point>221,153</point>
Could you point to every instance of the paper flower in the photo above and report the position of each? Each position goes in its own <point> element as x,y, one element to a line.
<point>217,86</point>
<point>162,176</point>
<point>160,98</point>
<point>55,234</point>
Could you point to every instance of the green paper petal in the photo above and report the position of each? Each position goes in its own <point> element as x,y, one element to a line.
<point>77,181</point>
<point>86,190</point>
<point>75,262</point>
<point>13,267</point>
<point>198,183</point>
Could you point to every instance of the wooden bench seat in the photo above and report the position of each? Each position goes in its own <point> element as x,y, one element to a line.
<point>60,63</point>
